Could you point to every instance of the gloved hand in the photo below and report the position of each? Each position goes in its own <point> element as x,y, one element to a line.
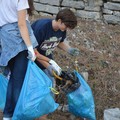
<point>31,53</point>
<point>50,69</point>
<point>73,51</point>
<point>56,66</point>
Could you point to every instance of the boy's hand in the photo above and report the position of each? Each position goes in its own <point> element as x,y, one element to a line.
<point>74,51</point>
<point>56,66</point>
<point>50,69</point>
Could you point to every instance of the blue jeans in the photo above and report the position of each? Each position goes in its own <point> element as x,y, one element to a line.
<point>18,67</point>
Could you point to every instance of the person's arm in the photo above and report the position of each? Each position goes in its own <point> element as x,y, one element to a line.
<point>25,34</point>
<point>51,69</point>
<point>69,49</point>
<point>63,46</point>
<point>23,27</point>
<point>44,63</point>
<point>41,57</point>
<point>49,64</point>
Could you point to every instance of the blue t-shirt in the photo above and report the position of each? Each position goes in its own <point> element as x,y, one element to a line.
<point>47,37</point>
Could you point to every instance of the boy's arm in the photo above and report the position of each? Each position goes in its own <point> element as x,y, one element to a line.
<point>49,64</point>
<point>44,63</point>
<point>69,49</point>
<point>40,56</point>
<point>64,46</point>
<point>50,68</point>
<point>42,59</point>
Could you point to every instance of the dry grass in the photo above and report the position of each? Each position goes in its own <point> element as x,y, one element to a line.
<point>99,44</point>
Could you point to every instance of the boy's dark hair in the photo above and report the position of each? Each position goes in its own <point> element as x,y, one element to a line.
<point>31,7</point>
<point>67,17</point>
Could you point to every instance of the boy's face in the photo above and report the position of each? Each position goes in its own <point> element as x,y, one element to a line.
<point>61,25</point>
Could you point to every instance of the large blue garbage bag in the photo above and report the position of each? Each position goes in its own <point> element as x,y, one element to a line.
<point>3,90</point>
<point>81,102</point>
<point>35,98</point>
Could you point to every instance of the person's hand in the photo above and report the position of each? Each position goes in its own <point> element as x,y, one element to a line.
<point>31,53</point>
<point>56,66</point>
<point>51,69</point>
<point>73,51</point>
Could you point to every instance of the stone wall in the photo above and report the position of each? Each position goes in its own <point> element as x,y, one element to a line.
<point>111,12</point>
<point>106,10</point>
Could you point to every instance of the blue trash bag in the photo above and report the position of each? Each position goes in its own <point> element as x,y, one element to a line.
<point>81,102</point>
<point>35,99</point>
<point>3,91</point>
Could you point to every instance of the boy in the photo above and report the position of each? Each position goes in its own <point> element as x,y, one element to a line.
<point>51,33</point>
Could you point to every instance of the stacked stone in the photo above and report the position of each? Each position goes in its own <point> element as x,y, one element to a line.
<point>82,8</point>
<point>47,7</point>
<point>88,9</point>
<point>111,12</point>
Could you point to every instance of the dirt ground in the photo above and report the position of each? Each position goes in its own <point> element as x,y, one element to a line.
<point>99,45</point>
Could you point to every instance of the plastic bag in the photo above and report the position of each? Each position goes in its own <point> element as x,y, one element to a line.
<point>35,99</point>
<point>81,102</point>
<point>3,90</point>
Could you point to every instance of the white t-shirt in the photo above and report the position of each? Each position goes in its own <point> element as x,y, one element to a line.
<point>9,10</point>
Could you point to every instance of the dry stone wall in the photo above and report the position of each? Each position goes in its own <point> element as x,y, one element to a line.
<point>111,12</point>
<point>106,10</point>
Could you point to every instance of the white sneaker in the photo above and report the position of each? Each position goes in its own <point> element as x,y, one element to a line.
<point>7,118</point>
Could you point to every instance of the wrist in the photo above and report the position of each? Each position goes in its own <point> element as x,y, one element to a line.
<point>30,47</point>
<point>69,49</point>
<point>50,61</point>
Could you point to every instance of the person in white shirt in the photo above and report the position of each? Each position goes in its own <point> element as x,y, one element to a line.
<point>16,46</point>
